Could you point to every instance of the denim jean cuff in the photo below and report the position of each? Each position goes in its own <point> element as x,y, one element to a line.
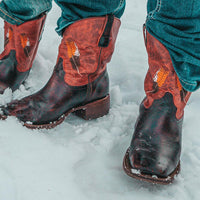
<point>9,17</point>
<point>189,86</point>
<point>62,24</point>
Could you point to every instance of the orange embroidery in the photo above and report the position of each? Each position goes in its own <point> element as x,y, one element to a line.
<point>10,34</point>
<point>161,76</point>
<point>8,37</point>
<point>24,40</point>
<point>73,54</point>
<point>72,49</point>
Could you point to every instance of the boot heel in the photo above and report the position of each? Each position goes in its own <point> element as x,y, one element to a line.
<point>95,109</point>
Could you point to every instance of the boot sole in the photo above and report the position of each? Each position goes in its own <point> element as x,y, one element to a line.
<point>145,177</point>
<point>89,111</point>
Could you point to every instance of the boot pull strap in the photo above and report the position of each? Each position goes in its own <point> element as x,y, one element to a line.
<point>105,38</point>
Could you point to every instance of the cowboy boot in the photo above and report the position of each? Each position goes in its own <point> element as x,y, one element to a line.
<point>154,153</point>
<point>79,82</point>
<point>20,47</point>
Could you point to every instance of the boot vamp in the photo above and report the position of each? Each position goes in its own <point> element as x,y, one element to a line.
<point>47,105</point>
<point>53,105</point>
<point>156,144</point>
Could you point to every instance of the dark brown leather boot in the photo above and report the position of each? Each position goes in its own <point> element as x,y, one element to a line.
<point>79,82</point>
<point>20,47</point>
<point>154,153</point>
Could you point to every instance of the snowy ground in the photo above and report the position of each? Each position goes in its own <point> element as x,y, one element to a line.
<point>83,159</point>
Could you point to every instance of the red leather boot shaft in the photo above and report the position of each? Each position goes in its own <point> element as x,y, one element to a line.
<point>161,77</point>
<point>20,47</point>
<point>8,39</point>
<point>24,39</point>
<point>83,58</point>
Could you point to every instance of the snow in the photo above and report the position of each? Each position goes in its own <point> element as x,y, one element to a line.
<point>135,171</point>
<point>83,159</point>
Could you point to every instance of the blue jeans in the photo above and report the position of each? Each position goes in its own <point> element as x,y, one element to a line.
<point>19,11</point>
<point>176,24</point>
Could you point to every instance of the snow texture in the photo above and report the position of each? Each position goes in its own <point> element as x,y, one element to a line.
<point>82,160</point>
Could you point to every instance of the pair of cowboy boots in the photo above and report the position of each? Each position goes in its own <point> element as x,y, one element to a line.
<point>80,84</point>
